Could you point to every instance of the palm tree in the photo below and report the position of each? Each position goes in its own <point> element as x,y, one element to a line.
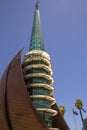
<point>79,106</point>
<point>62,110</point>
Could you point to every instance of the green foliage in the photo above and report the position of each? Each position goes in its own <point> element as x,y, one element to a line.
<point>62,109</point>
<point>78,104</point>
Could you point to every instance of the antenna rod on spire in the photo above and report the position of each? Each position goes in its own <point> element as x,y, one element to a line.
<point>37,4</point>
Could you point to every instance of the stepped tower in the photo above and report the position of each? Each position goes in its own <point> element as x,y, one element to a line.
<point>38,73</point>
<point>26,97</point>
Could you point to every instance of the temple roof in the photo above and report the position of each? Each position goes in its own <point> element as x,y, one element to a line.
<point>36,42</point>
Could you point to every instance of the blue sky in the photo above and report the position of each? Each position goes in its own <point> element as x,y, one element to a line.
<point>64,29</point>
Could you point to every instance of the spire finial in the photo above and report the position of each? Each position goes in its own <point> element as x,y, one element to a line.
<point>37,4</point>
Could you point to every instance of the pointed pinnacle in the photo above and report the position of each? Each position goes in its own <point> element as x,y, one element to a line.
<point>37,4</point>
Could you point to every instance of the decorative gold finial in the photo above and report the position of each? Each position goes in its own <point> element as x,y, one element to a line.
<point>37,4</point>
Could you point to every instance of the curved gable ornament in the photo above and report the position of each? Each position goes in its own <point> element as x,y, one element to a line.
<point>16,109</point>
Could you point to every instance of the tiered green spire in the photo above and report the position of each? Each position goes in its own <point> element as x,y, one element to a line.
<point>38,74</point>
<point>36,42</point>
